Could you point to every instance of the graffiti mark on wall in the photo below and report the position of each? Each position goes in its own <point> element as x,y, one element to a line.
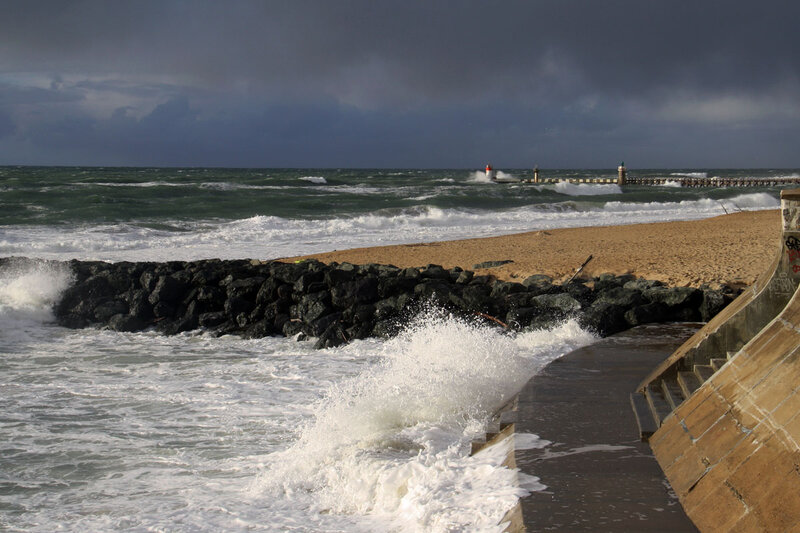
<point>793,252</point>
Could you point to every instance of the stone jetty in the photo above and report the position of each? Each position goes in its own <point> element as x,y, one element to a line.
<point>335,303</point>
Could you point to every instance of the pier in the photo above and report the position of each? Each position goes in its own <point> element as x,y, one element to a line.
<point>713,182</point>
<point>682,181</point>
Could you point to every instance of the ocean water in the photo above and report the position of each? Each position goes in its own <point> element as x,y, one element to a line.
<point>101,430</point>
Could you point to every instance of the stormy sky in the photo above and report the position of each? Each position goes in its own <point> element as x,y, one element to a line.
<point>382,83</point>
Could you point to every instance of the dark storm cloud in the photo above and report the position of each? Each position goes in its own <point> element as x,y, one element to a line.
<point>428,83</point>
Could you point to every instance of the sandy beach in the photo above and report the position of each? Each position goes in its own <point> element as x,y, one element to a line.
<point>730,249</point>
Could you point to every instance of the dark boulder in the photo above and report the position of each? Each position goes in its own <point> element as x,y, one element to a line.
<point>364,290</point>
<point>619,296</point>
<point>212,320</point>
<point>476,298</point>
<point>609,281</point>
<point>604,318</point>
<point>310,282</point>
<point>210,298</point>
<point>538,282</point>
<point>139,305</point>
<point>559,304</point>
<point>262,328</point>
<point>246,288</point>
<point>127,323</point>
<point>501,289</point>
<point>287,273</point>
<point>235,306</point>
<point>713,302</point>
<point>465,277</point>
<point>521,317</point>
<point>647,314</point>
<point>104,311</point>
<point>169,290</point>
<point>433,290</point>
<point>163,310</point>
<point>435,272</point>
<point>398,284</point>
<point>674,296</point>
<point>337,276</point>
<point>313,306</point>
<point>330,338</point>
<point>579,291</point>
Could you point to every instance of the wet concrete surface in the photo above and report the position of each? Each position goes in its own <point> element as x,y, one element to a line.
<point>599,475</point>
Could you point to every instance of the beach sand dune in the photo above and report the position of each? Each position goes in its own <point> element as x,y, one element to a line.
<point>731,249</point>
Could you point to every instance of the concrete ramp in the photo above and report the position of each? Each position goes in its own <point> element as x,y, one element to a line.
<point>722,413</point>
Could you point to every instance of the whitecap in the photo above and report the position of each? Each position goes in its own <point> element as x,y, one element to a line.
<point>319,180</point>
<point>587,189</point>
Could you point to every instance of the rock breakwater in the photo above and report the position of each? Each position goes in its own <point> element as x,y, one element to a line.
<point>336,303</point>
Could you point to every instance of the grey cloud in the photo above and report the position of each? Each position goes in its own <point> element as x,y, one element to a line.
<point>399,83</point>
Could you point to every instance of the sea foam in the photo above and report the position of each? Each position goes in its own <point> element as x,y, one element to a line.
<point>28,290</point>
<point>393,442</point>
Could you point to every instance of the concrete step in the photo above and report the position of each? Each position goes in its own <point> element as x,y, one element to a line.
<point>717,362</point>
<point>672,392</point>
<point>659,406</point>
<point>644,417</point>
<point>704,372</point>
<point>688,382</point>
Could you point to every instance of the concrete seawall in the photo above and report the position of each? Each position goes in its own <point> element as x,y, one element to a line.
<point>731,448</point>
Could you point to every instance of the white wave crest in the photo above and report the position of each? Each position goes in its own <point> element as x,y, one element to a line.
<point>690,174</point>
<point>394,441</point>
<point>270,237</point>
<point>319,180</point>
<point>28,290</point>
<point>479,176</point>
<point>587,189</point>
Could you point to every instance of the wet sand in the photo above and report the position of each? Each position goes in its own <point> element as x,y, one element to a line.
<point>731,249</point>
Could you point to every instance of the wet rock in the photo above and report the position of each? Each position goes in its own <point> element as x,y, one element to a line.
<point>465,277</point>
<point>619,296</point>
<point>168,290</point>
<point>235,306</point>
<point>579,291</point>
<point>338,303</point>
<point>521,317</point>
<point>212,320</point>
<point>313,306</point>
<point>561,304</point>
<point>647,314</point>
<point>246,288</point>
<point>127,323</point>
<point>333,336</point>
<point>435,272</point>
<point>604,282</point>
<point>604,318</point>
<point>360,291</point>
<point>104,311</point>
<point>501,289</point>
<point>538,282</point>
<point>262,328</point>
<point>713,302</point>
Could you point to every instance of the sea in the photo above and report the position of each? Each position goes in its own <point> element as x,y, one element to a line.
<point>109,431</point>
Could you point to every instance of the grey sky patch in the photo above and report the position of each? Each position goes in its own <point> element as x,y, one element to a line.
<point>412,83</point>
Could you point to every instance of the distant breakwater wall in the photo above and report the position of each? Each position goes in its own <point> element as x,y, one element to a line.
<point>336,303</point>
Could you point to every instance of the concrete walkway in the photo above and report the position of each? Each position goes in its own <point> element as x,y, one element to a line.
<point>599,476</point>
